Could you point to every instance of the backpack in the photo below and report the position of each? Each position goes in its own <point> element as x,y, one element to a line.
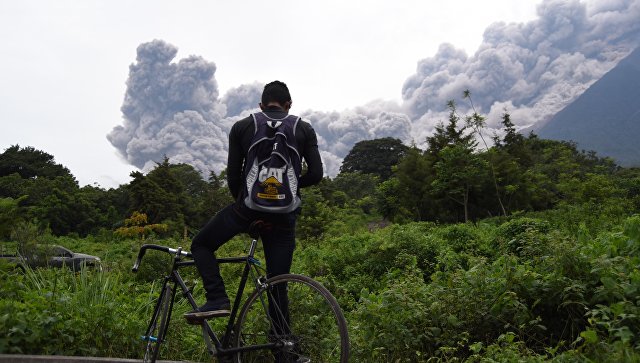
<point>273,165</point>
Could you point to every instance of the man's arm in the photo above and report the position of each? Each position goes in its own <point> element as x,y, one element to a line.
<point>235,160</point>
<point>312,156</point>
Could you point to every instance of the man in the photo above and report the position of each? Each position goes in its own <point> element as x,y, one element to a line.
<point>279,240</point>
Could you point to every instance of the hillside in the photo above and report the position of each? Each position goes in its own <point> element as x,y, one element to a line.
<point>606,117</point>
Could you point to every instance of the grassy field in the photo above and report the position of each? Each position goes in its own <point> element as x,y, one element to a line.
<point>532,288</point>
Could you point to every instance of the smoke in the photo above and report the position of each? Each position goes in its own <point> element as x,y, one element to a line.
<point>532,70</point>
<point>243,98</point>
<point>339,131</point>
<point>173,109</point>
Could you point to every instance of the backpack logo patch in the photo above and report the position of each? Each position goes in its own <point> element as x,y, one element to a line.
<point>271,182</point>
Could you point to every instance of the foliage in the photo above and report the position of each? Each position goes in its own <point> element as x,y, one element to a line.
<point>452,181</point>
<point>137,226</point>
<point>27,237</point>
<point>458,174</point>
<point>376,157</point>
<point>30,163</point>
<point>517,289</point>
<point>527,250</point>
<point>57,312</point>
<point>10,215</point>
<point>390,202</point>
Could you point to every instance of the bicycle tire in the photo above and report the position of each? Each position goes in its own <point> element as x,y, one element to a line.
<point>158,326</point>
<point>316,329</point>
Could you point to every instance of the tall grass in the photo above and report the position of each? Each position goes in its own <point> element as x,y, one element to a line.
<point>527,289</point>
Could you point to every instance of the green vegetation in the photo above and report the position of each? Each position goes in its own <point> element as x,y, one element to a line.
<point>528,250</point>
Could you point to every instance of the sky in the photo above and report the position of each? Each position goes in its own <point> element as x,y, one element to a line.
<point>108,87</point>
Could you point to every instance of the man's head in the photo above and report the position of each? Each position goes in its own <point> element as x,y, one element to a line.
<point>276,93</point>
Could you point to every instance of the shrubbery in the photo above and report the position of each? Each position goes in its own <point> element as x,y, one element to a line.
<point>551,275</point>
<point>520,289</point>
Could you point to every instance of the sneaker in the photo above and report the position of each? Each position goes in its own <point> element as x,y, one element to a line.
<point>211,309</point>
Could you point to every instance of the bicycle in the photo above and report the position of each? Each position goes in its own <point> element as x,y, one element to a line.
<point>310,328</point>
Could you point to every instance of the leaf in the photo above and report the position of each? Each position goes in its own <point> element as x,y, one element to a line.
<point>589,336</point>
<point>476,347</point>
<point>624,333</point>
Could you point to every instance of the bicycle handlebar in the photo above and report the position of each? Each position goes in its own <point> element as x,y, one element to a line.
<point>166,249</point>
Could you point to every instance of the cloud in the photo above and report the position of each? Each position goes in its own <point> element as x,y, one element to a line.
<point>174,110</point>
<point>243,98</point>
<point>532,70</point>
<point>535,68</point>
<point>339,131</point>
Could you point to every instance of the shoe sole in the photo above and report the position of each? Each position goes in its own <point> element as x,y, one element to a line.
<point>207,314</point>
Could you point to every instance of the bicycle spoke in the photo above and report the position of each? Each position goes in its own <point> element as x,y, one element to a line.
<point>158,326</point>
<point>311,329</point>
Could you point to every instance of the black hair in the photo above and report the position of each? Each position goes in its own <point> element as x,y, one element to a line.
<point>276,91</point>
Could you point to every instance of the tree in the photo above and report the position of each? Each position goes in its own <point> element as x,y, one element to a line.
<point>375,157</point>
<point>176,194</point>
<point>58,204</point>
<point>10,215</point>
<point>216,197</point>
<point>512,140</point>
<point>451,134</point>
<point>109,207</point>
<point>458,173</point>
<point>437,182</point>
<point>12,186</point>
<point>415,174</point>
<point>137,226</point>
<point>51,196</point>
<point>192,192</point>
<point>356,185</point>
<point>30,163</point>
<point>151,199</point>
<point>390,203</point>
<point>509,158</point>
<point>476,122</point>
<point>315,216</point>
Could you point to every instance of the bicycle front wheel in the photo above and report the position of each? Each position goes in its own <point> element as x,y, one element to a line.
<point>158,326</point>
<point>298,316</point>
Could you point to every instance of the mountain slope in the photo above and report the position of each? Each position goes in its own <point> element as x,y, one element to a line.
<point>606,117</point>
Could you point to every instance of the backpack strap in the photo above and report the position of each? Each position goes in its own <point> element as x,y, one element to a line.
<point>261,117</point>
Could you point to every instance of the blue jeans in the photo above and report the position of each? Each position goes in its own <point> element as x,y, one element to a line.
<point>278,243</point>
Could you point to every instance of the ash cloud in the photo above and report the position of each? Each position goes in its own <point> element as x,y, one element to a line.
<point>174,109</point>
<point>243,98</point>
<point>339,131</point>
<point>531,69</point>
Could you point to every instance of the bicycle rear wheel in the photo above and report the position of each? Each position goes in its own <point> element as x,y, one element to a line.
<point>158,326</point>
<point>311,329</point>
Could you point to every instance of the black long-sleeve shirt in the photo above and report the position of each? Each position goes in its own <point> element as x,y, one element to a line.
<point>240,138</point>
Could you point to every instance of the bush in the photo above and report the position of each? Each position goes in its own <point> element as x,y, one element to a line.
<point>462,238</point>
<point>55,311</point>
<point>524,237</point>
<point>411,293</point>
<point>394,324</point>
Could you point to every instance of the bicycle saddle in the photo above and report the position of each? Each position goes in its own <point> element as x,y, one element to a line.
<point>258,226</point>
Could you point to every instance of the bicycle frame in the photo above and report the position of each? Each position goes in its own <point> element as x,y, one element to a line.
<point>222,348</point>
